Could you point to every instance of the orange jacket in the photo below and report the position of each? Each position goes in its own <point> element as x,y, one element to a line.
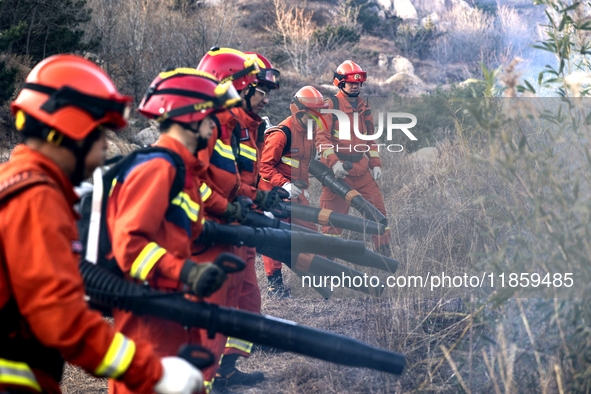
<point>222,177</point>
<point>249,157</point>
<point>329,144</point>
<point>277,168</point>
<point>39,270</point>
<point>151,237</point>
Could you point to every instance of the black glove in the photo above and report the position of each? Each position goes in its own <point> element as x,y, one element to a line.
<point>267,200</point>
<point>203,278</point>
<point>238,209</point>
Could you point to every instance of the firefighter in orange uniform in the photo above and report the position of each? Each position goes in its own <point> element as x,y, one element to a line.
<point>234,163</point>
<point>62,112</point>
<point>152,237</point>
<point>284,163</point>
<point>349,78</point>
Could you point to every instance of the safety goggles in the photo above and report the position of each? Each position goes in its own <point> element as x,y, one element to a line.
<point>262,92</point>
<point>269,75</point>
<point>354,77</point>
<point>225,97</point>
<point>115,111</point>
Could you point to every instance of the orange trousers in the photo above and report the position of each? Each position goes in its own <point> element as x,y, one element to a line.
<point>227,295</point>
<point>274,265</point>
<point>165,337</point>
<point>247,297</point>
<point>369,189</point>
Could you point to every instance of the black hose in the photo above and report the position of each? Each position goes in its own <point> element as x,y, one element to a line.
<point>110,290</point>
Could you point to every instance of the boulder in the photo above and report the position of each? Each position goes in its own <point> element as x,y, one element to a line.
<point>117,147</point>
<point>386,5</point>
<point>430,20</point>
<point>405,10</point>
<point>146,136</point>
<point>383,61</point>
<point>402,65</point>
<point>408,84</point>
<point>432,6</point>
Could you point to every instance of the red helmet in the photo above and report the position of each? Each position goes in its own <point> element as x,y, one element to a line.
<point>348,71</point>
<point>227,64</point>
<point>268,75</point>
<point>71,95</point>
<point>307,97</point>
<point>186,95</point>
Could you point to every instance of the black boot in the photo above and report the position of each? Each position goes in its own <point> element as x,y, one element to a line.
<point>228,375</point>
<point>275,287</point>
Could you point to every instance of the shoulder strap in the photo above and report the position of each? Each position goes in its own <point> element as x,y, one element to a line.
<point>335,102</point>
<point>149,153</point>
<point>20,182</point>
<point>286,130</point>
<point>335,105</point>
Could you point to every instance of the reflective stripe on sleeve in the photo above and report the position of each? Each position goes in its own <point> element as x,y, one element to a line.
<point>18,374</point>
<point>224,150</point>
<point>146,260</point>
<point>191,208</point>
<point>290,162</point>
<point>327,152</point>
<point>248,152</point>
<point>118,357</point>
<point>373,153</point>
<point>205,191</point>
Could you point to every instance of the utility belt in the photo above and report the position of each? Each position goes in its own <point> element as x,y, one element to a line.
<point>28,350</point>
<point>349,157</point>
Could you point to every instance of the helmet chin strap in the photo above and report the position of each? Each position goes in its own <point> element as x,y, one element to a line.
<point>81,152</point>
<point>201,142</point>
<point>248,95</point>
<point>349,94</point>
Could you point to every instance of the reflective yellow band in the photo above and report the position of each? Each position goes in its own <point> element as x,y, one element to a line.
<point>191,208</point>
<point>118,357</point>
<point>373,153</point>
<point>205,191</point>
<point>327,152</point>
<point>18,374</point>
<point>335,133</point>
<point>290,162</point>
<point>208,385</point>
<point>248,152</point>
<point>332,235</point>
<point>224,150</point>
<point>239,344</point>
<point>113,183</point>
<point>144,263</point>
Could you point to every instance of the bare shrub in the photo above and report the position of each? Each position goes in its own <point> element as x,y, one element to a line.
<point>296,33</point>
<point>139,39</point>
<point>473,36</point>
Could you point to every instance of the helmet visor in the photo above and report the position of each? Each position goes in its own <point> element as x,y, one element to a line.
<point>113,112</point>
<point>355,77</point>
<point>269,76</point>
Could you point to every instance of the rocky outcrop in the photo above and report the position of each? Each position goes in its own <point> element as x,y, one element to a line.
<point>405,10</point>
<point>402,65</point>
<point>403,82</point>
<point>412,10</point>
<point>146,136</point>
<point>117,146</point>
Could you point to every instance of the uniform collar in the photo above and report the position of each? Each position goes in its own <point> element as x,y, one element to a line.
<point>246,118</point>
<point>345,102</point>
<point>33,160</point>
